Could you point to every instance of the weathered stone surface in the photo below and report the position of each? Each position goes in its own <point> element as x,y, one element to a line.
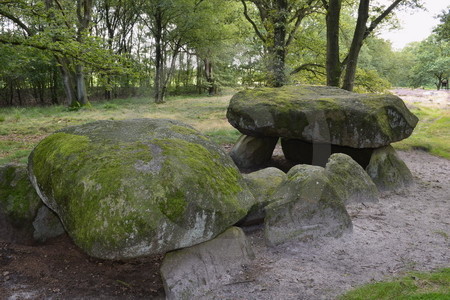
<point>138,187</point>
<point>46,225</point>
<point>192,272</point>
<point>388,171</point>
<point>262,184</point>
<point>252,151</point>
<point>306,206</point>
<point>23,217</point>
<point>322,114</point>
<point>350,180</point>
<point>317,154</point>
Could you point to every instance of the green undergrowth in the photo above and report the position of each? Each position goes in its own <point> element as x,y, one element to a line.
<point>21,129</point>
<point>415,286</point>
<point>432,133</point>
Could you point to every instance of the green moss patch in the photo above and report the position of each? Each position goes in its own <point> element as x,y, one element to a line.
<point>18,199</point>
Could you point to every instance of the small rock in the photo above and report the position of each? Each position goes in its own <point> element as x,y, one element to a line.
<point>193,272</point>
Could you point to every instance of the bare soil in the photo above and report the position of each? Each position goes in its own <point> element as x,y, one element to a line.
<point>403,232</point>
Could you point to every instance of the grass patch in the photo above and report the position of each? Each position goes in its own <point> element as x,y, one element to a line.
<point>22,128</point>
<point>434,285</point>
<point>224,136</point>
<point>432,133</point>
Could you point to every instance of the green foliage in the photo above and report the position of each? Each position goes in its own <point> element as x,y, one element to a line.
<point>369,81</point>
<point>432,62</point>
<point>434,285</point>
<point>443,29</point>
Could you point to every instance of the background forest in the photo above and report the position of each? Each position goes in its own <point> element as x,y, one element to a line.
<point>73,52</point>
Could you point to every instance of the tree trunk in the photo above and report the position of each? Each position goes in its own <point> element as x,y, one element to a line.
<point>54,86</point>
<point>159,59</point>
<point>277,51</point>
<point>333,64</point>
<point>67,82</point>
<point>199,82</point>
<point>358,37</point>
<point>81,86</point>
<point>209,76</point>
<point>84,9</point>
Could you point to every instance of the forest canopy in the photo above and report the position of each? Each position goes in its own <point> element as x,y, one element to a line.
<point>71,52</point>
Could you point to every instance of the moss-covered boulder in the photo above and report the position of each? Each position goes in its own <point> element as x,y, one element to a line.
<point>23,216</point>
<point>306,206</point>
<point>388,171</point>
<point>138,187</point>
<point>350,180</point>
<point>262,184</point>
<point>322,114</point>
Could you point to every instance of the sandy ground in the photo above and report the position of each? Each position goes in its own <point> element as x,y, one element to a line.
<point>403,232</point>
<point>430,98</point>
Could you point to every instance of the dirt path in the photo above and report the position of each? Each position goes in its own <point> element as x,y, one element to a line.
<point>430,98</point>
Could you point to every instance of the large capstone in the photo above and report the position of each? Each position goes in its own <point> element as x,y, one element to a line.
<point>320,114</point>
<point>138,187</point>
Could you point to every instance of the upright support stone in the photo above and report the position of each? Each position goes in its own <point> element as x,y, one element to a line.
<point>193,272</point>
<point>306,206</point>
<point>350,180</point>
<point>388,171</point>
<point>252,151</point>
<point>263,184</point>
